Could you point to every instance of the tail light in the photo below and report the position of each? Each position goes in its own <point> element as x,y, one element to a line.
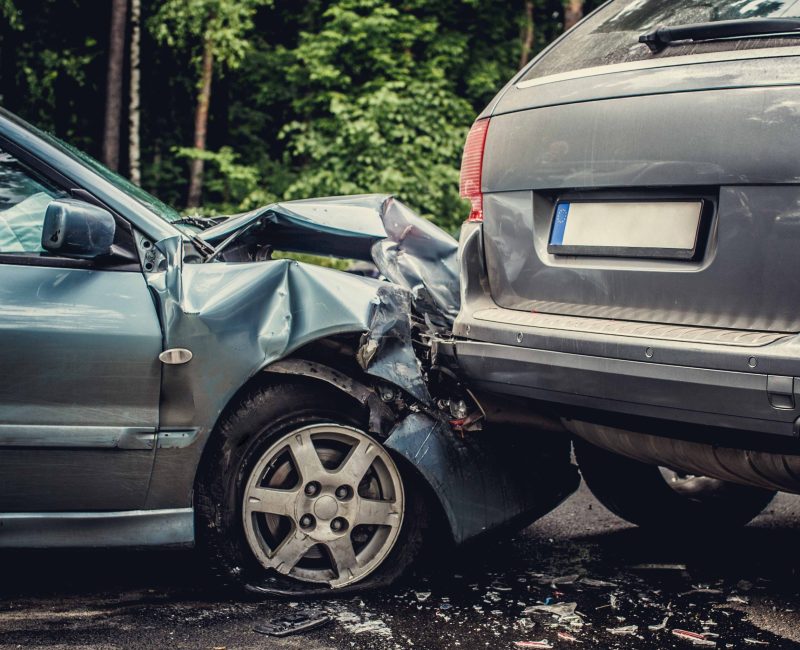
<point>472,167</point>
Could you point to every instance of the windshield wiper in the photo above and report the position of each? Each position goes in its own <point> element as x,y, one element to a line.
<point>658,39</point>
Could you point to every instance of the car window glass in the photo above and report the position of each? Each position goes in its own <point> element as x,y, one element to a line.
<point>611,34</point>
<point>23,201</point>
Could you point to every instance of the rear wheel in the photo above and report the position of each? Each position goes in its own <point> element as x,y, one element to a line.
<point>654,497</point>
<point>297,497</point>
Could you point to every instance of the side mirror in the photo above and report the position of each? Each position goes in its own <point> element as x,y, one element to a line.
<point>77,229</point>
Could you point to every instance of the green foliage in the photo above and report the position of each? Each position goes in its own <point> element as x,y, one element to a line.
<point>10,14</point>
<point>233,180</point>
<point>221,24</point>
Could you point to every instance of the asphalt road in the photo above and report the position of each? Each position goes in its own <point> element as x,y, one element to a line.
<point>742,587</point>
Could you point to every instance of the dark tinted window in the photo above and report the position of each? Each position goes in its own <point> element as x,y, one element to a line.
<point>611,34</point>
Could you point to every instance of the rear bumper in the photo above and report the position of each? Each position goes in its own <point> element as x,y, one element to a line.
<point>709,398</point>
<point>748,386</point>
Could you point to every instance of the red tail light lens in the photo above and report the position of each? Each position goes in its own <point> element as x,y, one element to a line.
<point>472,167</point>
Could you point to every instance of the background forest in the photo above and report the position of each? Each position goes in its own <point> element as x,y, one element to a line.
<point>224,105</point>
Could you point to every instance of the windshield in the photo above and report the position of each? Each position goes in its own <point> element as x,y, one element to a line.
<point>611,34</point>
<point>120,182</point>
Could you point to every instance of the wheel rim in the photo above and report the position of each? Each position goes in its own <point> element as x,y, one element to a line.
<point>323,504</point>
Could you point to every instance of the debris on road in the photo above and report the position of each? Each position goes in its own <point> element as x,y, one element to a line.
<point>624,630</point>
<point>564,636</point>
<point>544,643</point>
<point>556,609</point>
<point>658,566</point>
<point>599,584</point>
<point>661,626</point>
<point>694,637</point>
<point>295,623</point>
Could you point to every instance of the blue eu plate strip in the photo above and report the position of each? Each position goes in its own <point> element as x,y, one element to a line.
<point>559,224</point>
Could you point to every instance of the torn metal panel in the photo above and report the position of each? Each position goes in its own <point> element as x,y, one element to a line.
<point>485,481</point>
<point>421,257</point>
<point>387,351</point>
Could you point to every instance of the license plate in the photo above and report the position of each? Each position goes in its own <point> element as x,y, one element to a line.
<point>658,229</point>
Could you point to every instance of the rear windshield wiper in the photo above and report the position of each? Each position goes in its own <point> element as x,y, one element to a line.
<point>658,39</point>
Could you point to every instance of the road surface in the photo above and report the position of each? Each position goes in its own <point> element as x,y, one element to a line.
<point>741,586</point>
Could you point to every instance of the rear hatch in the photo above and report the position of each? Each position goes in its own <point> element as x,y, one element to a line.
<point>660,188</point>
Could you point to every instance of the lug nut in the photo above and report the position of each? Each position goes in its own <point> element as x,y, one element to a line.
<point>312,489</point>
<point>306,521</point>
<point>342,492</point>
<point>338,525</point>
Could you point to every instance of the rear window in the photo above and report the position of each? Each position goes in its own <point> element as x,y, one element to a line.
<point>611,34</point>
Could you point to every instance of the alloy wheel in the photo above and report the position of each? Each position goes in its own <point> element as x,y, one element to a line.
<point>323,504</point>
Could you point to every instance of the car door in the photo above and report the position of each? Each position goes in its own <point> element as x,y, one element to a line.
<point>79,369</point>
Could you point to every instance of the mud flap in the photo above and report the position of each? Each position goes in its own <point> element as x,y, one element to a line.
<point>488,479</point>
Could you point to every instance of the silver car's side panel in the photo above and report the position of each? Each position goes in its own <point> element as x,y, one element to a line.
<point>79,388</point>
<point>173,527</point>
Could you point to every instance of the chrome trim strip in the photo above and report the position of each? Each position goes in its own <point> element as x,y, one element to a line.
<point>97,529</point>
<point>69,437</point>
<point>677,61</point>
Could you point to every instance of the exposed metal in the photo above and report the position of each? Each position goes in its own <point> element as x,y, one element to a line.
<point>320,513</point>
<point>381,416</point>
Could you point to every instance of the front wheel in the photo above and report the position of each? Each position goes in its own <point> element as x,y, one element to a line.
<point>654,497</point>
<point>297,497</point>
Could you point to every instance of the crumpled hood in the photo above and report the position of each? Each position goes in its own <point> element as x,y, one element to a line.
<point>407,249</point>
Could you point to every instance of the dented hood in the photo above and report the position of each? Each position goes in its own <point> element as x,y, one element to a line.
<point>407,249</point>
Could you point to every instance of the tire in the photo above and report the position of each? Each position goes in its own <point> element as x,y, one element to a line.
<point>316,539</point>
<point>643,495</point>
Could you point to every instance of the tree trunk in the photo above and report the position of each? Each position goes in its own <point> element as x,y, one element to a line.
<point>116,54</point>
<point>200,127</point>
<point>134,152</point>
<point>573,12</point>
<point>527,34</point>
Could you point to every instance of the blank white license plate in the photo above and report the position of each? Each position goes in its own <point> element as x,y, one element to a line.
<point>658,229</point>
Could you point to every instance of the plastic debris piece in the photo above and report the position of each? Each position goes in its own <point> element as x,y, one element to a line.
<point>557,609</point>
<point>693,637</point>
<point>625,629</point>
<point>422,596</point>
<point>749,641</point>
<point>565,636</point>
<point>295,623</point>
<point>738,599</point>
<point>612,599</point>
<point>661,626</point>
<point>599,584</point>
<point>544,643</point>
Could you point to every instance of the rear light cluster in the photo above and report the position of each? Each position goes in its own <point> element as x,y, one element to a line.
<point>472,168</point>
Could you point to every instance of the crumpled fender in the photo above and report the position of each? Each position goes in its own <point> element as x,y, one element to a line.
<point>488,479</point>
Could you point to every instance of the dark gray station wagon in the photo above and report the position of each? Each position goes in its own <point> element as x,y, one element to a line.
<point>630,264</point>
